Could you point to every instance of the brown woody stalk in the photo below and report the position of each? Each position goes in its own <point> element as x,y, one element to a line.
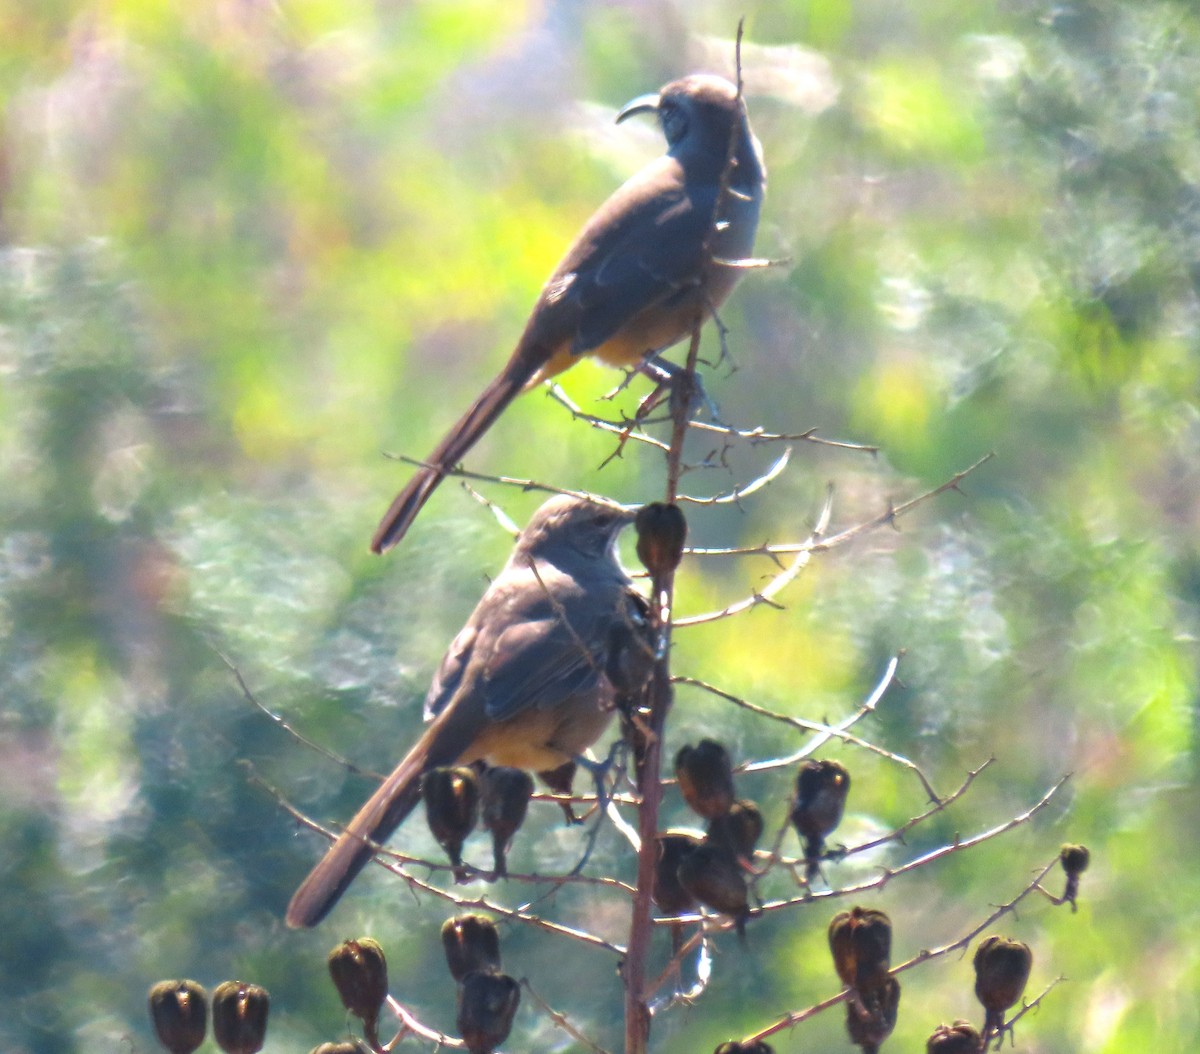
<point>662,589</point>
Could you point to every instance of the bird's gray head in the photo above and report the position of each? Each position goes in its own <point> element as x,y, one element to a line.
<point>567,524</point>
<point>702,116</point>
<point>701,104</point>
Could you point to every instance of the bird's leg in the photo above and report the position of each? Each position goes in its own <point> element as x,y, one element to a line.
<point>673,380</point>
<point>599,771</point>
<point>560,780</point>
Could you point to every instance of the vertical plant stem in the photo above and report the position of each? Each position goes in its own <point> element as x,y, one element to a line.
<point>637,1011</point>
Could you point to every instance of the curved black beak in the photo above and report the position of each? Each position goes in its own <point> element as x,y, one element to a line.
<point>642,104</point>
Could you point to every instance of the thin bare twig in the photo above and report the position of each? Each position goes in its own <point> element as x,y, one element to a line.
<point>897,834</point>
<point>752,436</point>
<point>958,845</point>
<point>458,472</point>
<point>560,1019</point>
<point>826,731</point>
<point>755,436</point>
<point>734,497</point>
<point>506,522</point>
<point>965,940</point>
<point>777,584</point>
<point>889,517</point>
<point>325,752</point>
<point>513,914</point>
<point>1031,1005</point>
<point>773,857</point>
<point>816,544</point>
<point>410,1024</point>
<point>625,430</point>
<point>698,940</point>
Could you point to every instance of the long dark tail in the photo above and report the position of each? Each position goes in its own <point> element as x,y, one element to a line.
<point>384,811</point>
<point>448,740</point>
<point>449,452</point>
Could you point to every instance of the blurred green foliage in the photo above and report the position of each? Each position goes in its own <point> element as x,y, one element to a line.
<point>247,246</point>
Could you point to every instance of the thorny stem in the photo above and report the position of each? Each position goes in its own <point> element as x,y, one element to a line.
<point>637,1009</point>
<point>757,436</point>
<point>637,1006</point>
<point>409,1024</point>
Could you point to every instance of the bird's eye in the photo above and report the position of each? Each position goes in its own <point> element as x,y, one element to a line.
<point>674,121</point>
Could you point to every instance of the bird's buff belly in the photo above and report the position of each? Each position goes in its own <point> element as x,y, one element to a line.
<point>539,739</point>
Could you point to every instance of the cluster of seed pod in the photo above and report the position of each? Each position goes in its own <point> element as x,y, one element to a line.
<point>861,943</point>
<point>179,1013</point>
<point>487,998</point>
<point>457,798</point>
<point>712,871</point>
<point>1002,966</point>
<point>709,870</point>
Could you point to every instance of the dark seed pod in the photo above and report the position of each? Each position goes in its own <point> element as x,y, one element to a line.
<point>179,1011</point>
<point>738,831</point>
<point>359,972</point>
<point>239,1017</point>
<point>661,531</point>
<point>505,801</point>
<point>486,1005</point>
<point>1002,970</point>
<point>871,1018</point>
<point>861,942</point>
<point>1074,859</point>
<point>713,877</point>
<point>960,1038</point>
<point>841,945</point>
<point>472,945</point>
<point>705,777</point>
<point>733,1046</point>
<point>669,893</point>
<point>821,790</point>
<point>451,798</point>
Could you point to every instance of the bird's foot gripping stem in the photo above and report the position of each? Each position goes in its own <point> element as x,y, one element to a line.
<point>681,387</point>
<point>600,771</point>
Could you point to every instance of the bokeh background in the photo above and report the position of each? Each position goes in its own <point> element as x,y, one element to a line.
<point>246,247</point>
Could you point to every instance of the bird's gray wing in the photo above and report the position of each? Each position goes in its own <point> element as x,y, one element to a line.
<point>516,649</point>
<point>450,671</point>
<point>647,266</point>
<point>617,269</point>
<point>540,662</point>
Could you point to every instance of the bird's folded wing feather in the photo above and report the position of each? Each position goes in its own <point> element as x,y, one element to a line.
<point>615,270</point>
